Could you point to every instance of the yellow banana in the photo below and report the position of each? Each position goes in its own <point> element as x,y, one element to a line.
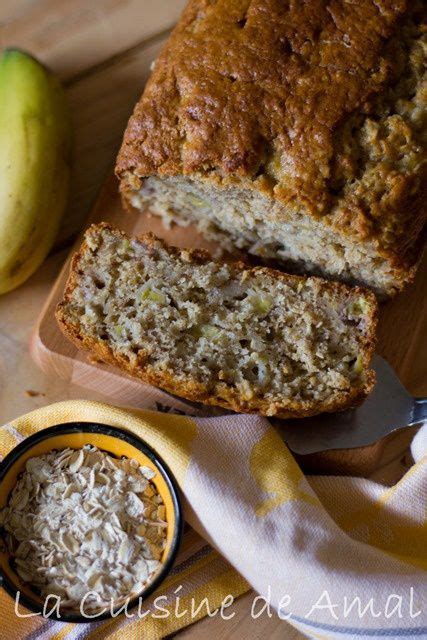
<point>35,141</point>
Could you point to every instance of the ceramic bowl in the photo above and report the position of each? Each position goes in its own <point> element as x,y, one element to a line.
<point>117,442</point>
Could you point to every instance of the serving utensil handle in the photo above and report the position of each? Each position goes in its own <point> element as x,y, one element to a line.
<point>419,411</point>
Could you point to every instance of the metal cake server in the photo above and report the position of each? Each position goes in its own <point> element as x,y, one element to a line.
<point>388,408</point>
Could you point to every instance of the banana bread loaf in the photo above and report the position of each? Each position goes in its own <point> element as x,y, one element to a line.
<point>295,130</point>
<point>247,339</point>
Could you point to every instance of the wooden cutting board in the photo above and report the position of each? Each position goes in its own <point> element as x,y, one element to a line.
<point>402,339</point>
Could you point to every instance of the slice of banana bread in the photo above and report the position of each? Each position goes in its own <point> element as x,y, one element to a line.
<point>294,130</point>
<point>247,339</point>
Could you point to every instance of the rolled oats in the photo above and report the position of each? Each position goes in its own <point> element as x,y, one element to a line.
<point>81,522</point>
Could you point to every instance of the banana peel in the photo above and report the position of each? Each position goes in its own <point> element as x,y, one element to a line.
<point>35,149</point>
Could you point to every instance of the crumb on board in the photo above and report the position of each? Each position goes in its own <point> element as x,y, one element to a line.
<point>93,360</point>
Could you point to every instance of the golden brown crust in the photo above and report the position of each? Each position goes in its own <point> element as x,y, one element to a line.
<point>224,395</point>
<point>280,97</point>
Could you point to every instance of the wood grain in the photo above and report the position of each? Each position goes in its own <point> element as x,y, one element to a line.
<point>402,333</point>
<point>72,37</point>
<point>101,104</point>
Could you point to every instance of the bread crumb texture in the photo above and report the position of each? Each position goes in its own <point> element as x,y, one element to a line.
<point>247,339</point>
<point>310,114</point>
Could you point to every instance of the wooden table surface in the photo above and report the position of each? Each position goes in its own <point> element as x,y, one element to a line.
<point>101,50</point>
